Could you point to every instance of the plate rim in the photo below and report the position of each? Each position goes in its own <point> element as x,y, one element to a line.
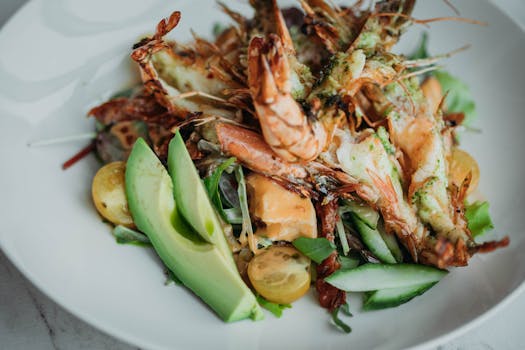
<point>131,339</point>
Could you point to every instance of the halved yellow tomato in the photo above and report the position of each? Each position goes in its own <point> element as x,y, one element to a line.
<point>461,163</point>
<point>281,274</point>
<point>109,194</point>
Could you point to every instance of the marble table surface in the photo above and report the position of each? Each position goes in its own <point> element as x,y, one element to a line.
<point>31,321</point>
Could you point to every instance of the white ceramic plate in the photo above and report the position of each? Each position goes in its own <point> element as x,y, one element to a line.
<point>59,58</point>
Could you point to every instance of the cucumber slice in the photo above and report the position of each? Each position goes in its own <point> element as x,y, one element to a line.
<point>371,277</point>
<point>368,215</point>
<point>391,243</point>
<point>392,297</point>
<point>373,240</point>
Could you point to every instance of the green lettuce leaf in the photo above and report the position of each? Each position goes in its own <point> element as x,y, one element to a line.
<point>459,99</point>
<point>316,249</point>
<point>478,218</point>
<point>276,309</point>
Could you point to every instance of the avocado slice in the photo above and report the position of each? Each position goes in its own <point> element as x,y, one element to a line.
<point>192,198</point>
<point>201,266</point>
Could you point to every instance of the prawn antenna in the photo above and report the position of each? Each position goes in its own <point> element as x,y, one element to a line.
<point>430,20</point>
<point>418,72</point>
<point>431,60</point>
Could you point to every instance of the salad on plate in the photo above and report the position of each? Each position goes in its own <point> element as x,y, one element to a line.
<point>294,150</point>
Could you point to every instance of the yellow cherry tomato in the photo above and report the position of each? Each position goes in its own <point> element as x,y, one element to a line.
<point>109,194</point>
<point>461,164</point>
<point>280,274</point>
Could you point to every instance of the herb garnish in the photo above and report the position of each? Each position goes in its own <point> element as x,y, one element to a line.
<point>316,249</point>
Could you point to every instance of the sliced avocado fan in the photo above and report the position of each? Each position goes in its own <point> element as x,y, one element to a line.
<point>202,265</point>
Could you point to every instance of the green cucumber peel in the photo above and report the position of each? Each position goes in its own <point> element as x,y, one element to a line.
<point>392,297</point>
<point>370,277</point>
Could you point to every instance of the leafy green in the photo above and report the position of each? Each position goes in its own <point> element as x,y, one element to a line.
<point>316,249</point>
<point>276,309</point>
<point>478,218</point>
<point>124,235</point>
<point>348,262</point>
<point>340,323</point>
<point>459,98</point>
<point>212,186</point>
<point>422,51</point>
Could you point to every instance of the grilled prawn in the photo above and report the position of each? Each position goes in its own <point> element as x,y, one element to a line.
<point>358,127</point>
